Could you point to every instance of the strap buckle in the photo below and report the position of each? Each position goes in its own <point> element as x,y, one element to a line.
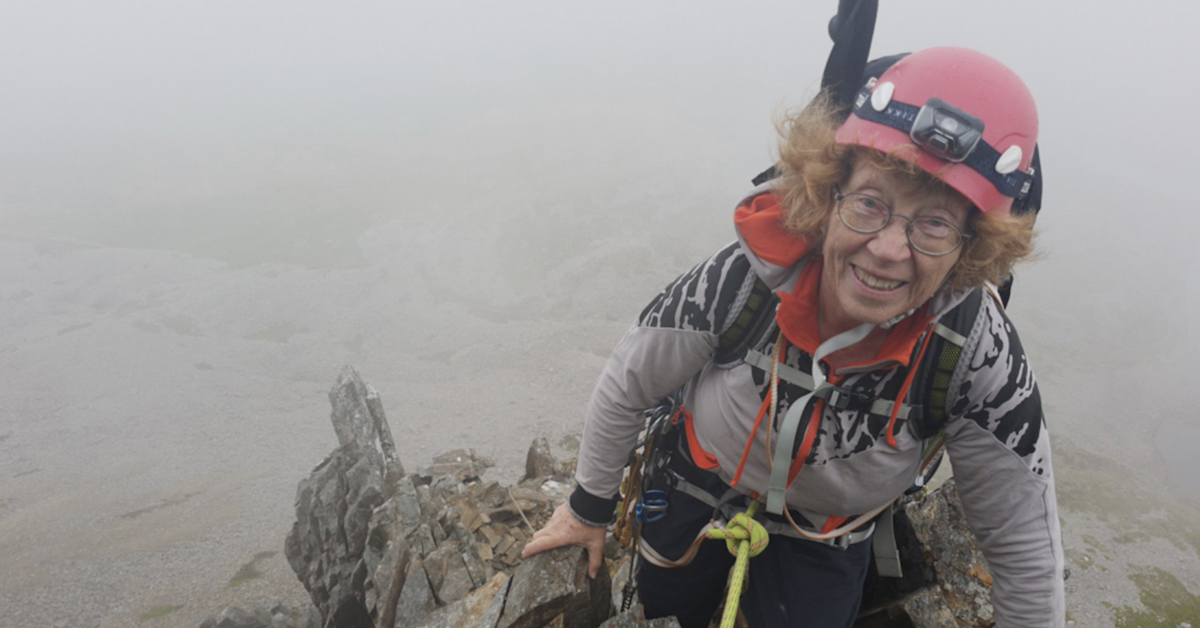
<point>842,398</point>
<point>854,536</point>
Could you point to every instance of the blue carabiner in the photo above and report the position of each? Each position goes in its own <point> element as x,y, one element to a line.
<point>652,507</point>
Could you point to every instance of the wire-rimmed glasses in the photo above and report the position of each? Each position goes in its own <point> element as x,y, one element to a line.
<point>930,235</point>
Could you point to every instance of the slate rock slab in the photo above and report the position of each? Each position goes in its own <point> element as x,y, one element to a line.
<point>540,462</point>
<point>556,583</point>
<point>416,599</point>
<point>480,609</point>
<point>448,574</point>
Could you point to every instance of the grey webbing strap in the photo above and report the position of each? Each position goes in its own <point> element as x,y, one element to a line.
<point>782,456</point>
<point>887,555</point>
<point>680,484</point>
<point>950,334</point>
<point>789,374</point>
<point>841,542</point>
<point>783,528</point>
<point>884,407</point>
<point>795,376</point>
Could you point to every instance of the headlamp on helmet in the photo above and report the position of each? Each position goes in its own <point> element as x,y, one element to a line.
<point>946,131</point>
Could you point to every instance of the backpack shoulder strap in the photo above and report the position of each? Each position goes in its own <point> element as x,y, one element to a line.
<point>932,383</point>
<point>932,387</point>
<point>747,324</point>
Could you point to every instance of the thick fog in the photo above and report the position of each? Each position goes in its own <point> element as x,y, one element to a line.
<point>207,208</point>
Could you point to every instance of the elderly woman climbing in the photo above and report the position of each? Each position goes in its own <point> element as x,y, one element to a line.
<point>878,241</point>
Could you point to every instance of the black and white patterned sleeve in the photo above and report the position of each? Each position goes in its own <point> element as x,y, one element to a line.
<point>700,299</point>
<point>675,336</point>
<point>1000,450</point>
<point>998,390</point>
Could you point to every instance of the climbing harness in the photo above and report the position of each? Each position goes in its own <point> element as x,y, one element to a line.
<point>929,381</point>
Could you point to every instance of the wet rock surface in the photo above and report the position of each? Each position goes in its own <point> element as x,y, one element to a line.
<point>376,547</point>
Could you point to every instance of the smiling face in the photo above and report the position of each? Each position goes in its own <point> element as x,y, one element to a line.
<point>874,277</point>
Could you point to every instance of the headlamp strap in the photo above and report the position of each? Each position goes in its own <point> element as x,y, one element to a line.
<point>900,116</point>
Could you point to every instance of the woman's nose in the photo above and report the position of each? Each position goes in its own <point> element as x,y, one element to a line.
<point>891,243</point>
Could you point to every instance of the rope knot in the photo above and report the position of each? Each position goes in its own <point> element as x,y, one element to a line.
<point>743,528</point>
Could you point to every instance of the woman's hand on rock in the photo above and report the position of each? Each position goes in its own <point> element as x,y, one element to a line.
<point>564,529</point>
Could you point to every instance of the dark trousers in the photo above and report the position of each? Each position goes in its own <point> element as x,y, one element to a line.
<point>794,583</point>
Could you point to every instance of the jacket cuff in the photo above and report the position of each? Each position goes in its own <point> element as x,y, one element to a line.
<point>590,510</point>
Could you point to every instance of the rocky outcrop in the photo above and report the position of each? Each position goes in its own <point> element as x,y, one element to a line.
<point>963,585</point>
<point>375,547</point>
<point>335,506</point>
<point>441,547</point>
<point>946,581</point>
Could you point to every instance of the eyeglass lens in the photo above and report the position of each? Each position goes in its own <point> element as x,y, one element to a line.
<point>927,234</point>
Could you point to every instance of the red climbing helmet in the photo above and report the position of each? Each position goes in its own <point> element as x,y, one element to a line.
<point>973,119</point>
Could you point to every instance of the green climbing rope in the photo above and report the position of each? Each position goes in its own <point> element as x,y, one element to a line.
<point>745,538</point>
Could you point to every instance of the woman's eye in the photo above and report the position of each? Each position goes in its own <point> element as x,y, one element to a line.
<point>935,227</point>
<point>871,205</point>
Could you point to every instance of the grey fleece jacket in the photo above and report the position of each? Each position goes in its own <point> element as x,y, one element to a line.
<point>995,434</point>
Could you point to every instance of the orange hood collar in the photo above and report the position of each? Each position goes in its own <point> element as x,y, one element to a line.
<point>760,222</point>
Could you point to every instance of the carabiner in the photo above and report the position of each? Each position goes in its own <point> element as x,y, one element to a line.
<point>652,507</point>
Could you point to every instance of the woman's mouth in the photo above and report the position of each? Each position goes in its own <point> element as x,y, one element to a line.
<point>875,283</point>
